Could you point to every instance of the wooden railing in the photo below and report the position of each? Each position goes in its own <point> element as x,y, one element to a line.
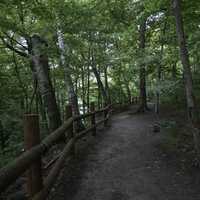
<point>30,160</point>
<point>67,135</point>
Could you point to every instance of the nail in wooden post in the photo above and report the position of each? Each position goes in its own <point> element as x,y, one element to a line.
<point>70,131</point>
<point>93,120</point>
<point>31,139</point>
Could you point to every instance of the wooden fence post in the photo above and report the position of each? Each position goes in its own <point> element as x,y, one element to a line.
<point>93,120</point>
<point>70,131</point>
<point>31,139</point>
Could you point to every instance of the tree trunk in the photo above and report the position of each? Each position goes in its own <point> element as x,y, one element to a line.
<point>73,100</point>
<point>106,83</point>
<point>88,88</point>
<point>143,97</point>
<point>99,82</point>
<point>174,71</point>
<point>2,137</point>
<point>41,71</point>
<point>43,113</point>
<point>126,83</point>
<point>83,88</point>
<point>159,73</point>
<point>99,100</point>
<point>184,55</point>
<point>128,92</point>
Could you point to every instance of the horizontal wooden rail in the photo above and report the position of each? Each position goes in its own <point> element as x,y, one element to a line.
<point>82,116</point>
<point>54,172</point>
<point>12,171</point>
<point>58,166</point>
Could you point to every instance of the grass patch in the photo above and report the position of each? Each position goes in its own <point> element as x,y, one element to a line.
<point>170,137</point>
<point>176,137</point>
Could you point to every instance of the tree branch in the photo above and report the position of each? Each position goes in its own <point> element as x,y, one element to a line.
<point>9,46</point>
<point>12,38</point>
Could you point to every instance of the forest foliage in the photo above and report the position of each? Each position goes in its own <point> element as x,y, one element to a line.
<point>79,51</point>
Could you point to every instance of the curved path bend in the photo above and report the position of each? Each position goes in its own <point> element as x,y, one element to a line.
<point>123,162</point>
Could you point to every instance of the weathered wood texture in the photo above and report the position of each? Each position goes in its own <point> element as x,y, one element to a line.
<point>31,139</point>
<point>12,171</point>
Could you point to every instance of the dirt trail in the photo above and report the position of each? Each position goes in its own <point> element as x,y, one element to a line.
<point>124,163</point>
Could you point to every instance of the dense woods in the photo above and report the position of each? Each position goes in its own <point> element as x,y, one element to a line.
<point>59,52</point>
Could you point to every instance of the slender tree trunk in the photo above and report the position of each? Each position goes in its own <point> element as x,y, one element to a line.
<point>106,83</point>
<point>76,85</point>
<point>121,92</point>
<point>41,71</point>
<point>143,97</point>
<point>83,87</point>
<point>128,92</point>
<point>126,83</point>
<point>99,82</point>
<point>73,100</point>
<point>99,100</point>
<point>2,137</point>
<point>159,73</point>
<point>42,112</point>
<point>191,106</point>
<point>62,106</point>
<point>88,88</point>
<point>174,71</point>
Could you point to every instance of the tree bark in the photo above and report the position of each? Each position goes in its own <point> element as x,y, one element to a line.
<point>143,97</point>
<point>184,55</point>
<point>106,83</point>
<point>99,81</point>
<point>174,71</point>
<point>128,92</point>
<point>83,88</point>
<point>159,72</point>
<point>2,137</point>
<point>41,71</point>
<point>88,88</point>
<point>73,100</point>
